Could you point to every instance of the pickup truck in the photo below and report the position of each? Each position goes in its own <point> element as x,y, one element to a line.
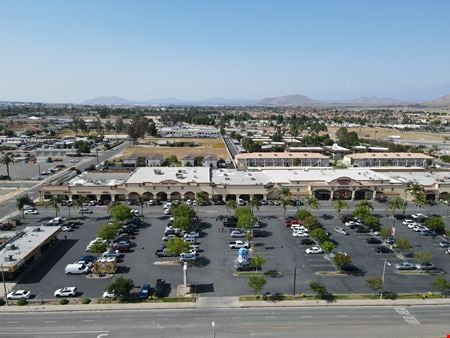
<point>238,244</point>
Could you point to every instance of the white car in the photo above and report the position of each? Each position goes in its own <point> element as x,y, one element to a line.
<point>31,212</point>
<point>74,161</point>
<point>192,234</point>
<point>300,234</point>
<point>314,250</point>
<point>407,221</point>
<point>66,228</point>
<point>352,223</point>
<point>298,227</point>
<point>55,221</point>
<point>412,225</point>
<point>108,295</point>
<point>19,294</point>
<point>237,234</point>
<point>68,291</point>
<point>341,231</point>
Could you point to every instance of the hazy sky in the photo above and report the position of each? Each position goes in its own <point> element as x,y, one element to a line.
<point>69,51</point>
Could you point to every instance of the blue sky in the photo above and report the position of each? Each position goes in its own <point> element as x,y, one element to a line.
<point>69,51</point>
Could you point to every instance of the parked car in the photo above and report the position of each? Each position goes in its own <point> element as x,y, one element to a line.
<point>68,291</point>
<point>163,253</point>
<point>188,257</point>
<point>19,294</point>
<point>405,266</point>
<point>444,244</point>
<point>108,295</point>
<point>31,212</point>
<point>307,241</point>
<point>192,234</point>
<point>86,259</point>
<point>76,269</point>
<point>426,266</point>
<point>314,250</point>
<point>382,249</point>
<point>300,234</point>
<point>237,233</point>
<point>85,211</point>
<point>6,226</point>
<point>373,240</point>
<point>144,293</point>
<point>341,231</point>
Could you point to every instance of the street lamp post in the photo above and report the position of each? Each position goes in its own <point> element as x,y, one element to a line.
<point>213,325</point>
<point>295,280</point>
<point>382,276</point>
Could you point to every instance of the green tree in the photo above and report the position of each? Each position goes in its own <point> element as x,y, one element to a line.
<point>365,204</point>
<point>284,203</point>
<point>375,283</point>
<point>246,220</point>
<point>319,289</point>
<point>254,203</point>
<point>182,222</point>
<point>137,127</point>
<point>312,203</point>
<point>423,257</point>
<point>256,283</point>
<point>54,202</point>
<point>7,160</point>
<point>436,224</point>
<point>108,231</point>
<point>385,233</point>
<point>121,287</point>
<point>327,246</point>
<point>402,244</point>
<point>418,193</point>
<point>302,214</point>
<point>361,212</point>
<point>341,260</point>
<point>22,201</point>
<point>231,205</point>
<point>257,262</point>
<point>320,235</point>
<point>372,222</point>
<point>176,246</point>
<point>397,203</point>
<point>311,223</point>
<point>98,248</point>
<point>285,193</point>
<point>183,210</point>
<point>339,205</point>
<point>441,284</point>
<point>120,212</point>
<point>80,201</point>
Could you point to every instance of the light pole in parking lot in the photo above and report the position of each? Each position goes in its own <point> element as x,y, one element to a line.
<point>382,277</point>
<point>213,325</point>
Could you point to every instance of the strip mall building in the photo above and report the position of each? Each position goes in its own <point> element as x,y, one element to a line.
<point>182,183</point>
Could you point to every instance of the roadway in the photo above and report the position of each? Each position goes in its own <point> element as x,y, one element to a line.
<point>9,206</point>
<point>231,146</point>
<point>355,321</point>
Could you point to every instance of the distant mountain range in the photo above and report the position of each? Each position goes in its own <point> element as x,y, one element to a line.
<point>287,100</point>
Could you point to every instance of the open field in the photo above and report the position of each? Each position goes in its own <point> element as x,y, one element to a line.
<point>208,146</point>
<point>383,133</point>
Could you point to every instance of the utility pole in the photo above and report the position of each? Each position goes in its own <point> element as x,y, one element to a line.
<point>4,285</point>
<point>295,280</point>
<point>96,153</point>
<point>382,277</point>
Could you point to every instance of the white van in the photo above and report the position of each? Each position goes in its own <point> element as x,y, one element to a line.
<point>241,202</point>
<point>76,269</point>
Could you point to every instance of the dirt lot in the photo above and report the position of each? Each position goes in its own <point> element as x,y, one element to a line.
<point>383,133</point>
<point>208,146</point>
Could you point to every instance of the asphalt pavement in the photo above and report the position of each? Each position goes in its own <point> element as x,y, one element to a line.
<point>8,207</point>
<point>355,321</point>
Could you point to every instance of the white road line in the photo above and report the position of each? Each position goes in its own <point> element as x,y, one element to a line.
<point>342,316</point>
<point>306,316</point>
<point>87,320</point>
<point>12,322</point>
<point>236,317</point>
<point>406,315</point>
<point>125,319</point>
<point>270,317</point>
<point>50,321</point>
<point>50,333</point>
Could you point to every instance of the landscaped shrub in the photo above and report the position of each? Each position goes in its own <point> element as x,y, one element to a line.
<point>22,302</point>
<point>85,300</point>
<point>63,301</point>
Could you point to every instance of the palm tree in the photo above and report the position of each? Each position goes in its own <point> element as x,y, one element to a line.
<point>141,204</point>
<point>7,160</point>
<point>339,205</point>
<point>80,201</point>
<point>284,203</point>
<point>231,205</point>
<point>285,193</point>
<point>54,202</point>
<point>395,204</point>
<point>418,193</point>
<point>22,201</point>
<point>254,203</point>
<point>312,202</point>
<point>199,199</point>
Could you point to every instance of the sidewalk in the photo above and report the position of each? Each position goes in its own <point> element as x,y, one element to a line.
<point>219,302</point>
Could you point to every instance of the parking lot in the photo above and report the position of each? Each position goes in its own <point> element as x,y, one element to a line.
<point>214,274</point>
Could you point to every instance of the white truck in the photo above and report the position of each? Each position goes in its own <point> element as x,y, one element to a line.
<point>238,244</point>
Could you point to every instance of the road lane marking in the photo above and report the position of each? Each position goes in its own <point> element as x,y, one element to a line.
<point>342,316</point>
<point>51,333</point>
<point>406,315</point>
<point>125,319</point>
<point>306,316</point>
<point>270,317</point>
<point>50,321</point>
<point>12,322</point>
<point>88,320</point>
